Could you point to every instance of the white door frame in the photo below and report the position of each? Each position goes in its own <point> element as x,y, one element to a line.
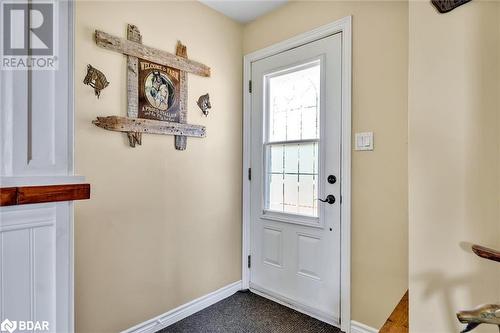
<point>344,26</point>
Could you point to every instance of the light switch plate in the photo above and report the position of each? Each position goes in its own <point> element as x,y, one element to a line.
<point>364,141</point>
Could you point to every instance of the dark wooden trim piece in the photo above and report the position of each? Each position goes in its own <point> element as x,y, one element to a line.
<point>486,253</point>
<point>8,196</point>
<point>398,321</point>
<point>24,195</point>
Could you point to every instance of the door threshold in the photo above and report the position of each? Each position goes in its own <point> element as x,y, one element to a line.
<point>297,306</point>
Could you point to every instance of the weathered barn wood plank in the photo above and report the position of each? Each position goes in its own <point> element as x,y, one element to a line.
<point>138,50</point>
<point>180,140</point>
<point>124,124</point>
<point>133,34</point>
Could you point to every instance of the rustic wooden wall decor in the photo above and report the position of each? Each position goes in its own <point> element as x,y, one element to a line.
<point>156,90</point>
<point>444,6</point>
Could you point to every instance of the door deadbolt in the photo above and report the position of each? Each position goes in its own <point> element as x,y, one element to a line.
<point>331,179</point>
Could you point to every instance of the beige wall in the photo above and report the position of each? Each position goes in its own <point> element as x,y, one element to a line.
<point>453,161</point>
<point>379,179</point>
<point>163,227</point>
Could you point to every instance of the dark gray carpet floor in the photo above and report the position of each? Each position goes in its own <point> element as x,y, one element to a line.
<point>245,312</point>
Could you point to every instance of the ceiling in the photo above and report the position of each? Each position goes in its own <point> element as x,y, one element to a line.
<point>244,11</point>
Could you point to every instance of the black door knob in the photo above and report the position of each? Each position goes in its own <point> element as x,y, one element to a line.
<point>329,199</point>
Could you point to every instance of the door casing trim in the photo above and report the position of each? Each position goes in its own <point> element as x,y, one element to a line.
<point>344,26</point>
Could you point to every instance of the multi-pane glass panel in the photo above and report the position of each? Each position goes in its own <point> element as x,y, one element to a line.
<point>294,105</point>
<point>292,178</point>
<point>292,146</point>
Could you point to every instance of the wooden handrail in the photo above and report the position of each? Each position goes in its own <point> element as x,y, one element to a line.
<point>485,252</point>
<point>23,195</point>
<point>484,314</point>
<point>398,320</point>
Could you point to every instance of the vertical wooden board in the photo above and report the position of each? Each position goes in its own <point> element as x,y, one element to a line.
<point>181,141</point>
<point>133,34</point>
<point>132,94</point>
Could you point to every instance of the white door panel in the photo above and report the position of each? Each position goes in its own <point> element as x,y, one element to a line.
<point>295,145</point>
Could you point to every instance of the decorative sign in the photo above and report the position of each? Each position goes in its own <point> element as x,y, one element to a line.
<point>159,92</point>
<point>156,90</point>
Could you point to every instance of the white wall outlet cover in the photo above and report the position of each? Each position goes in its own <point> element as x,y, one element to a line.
<point>364,141</point>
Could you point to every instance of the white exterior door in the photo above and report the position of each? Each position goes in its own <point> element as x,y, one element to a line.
<point>295,161</point>
<point>36,133</point>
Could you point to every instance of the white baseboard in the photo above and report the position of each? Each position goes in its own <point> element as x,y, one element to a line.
<point>185,310</point>
<point>361,328</point>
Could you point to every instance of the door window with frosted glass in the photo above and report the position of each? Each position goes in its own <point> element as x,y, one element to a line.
<point>292,140</point>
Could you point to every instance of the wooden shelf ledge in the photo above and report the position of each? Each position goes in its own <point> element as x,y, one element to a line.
<point>23,195</point>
